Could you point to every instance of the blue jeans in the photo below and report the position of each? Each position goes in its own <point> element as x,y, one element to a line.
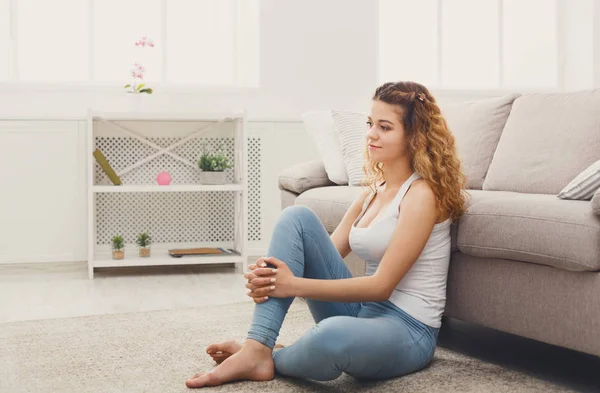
<point>375,340</point>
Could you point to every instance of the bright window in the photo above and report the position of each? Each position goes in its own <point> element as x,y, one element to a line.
<point>51,48</point>
<point>470,44</point>
<point>5,58</point>
<point>408,40</point>
<point>197,42</point>
<point>470,56</point>
<point>115,33</point>
<point>530,43</point>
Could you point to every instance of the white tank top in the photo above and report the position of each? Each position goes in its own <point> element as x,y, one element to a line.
<point>422,291</point>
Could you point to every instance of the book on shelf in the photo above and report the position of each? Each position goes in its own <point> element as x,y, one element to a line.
<point>180,252</point>
<point>110,172</point>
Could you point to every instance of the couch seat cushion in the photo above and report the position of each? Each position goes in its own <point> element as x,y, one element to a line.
<point>533,228</point>
<point>474,197</point>
<point>330,203</point>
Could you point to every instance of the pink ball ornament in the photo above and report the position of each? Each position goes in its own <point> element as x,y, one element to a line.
<point>163,178</point>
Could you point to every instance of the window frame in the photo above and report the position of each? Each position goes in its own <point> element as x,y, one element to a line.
<point>439,87</point>
<point>14,84</point>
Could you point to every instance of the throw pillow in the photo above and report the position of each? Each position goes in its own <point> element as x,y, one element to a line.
<point>596,203</point>
<point>320,127</point>
<point>477,126</point>
<point>548,139</point>
<point>584,185</point>
<point>352,132</point>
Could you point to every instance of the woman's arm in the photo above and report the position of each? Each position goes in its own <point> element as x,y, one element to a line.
<point>357,289</point>
<point>415,223</point>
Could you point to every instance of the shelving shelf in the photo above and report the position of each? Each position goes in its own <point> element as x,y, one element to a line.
<point>169,188</point>
<point>140,203</point>
<point>161,257</point>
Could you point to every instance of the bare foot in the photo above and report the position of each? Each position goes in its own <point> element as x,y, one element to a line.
<point>253,362</point>
<point>221,351</point>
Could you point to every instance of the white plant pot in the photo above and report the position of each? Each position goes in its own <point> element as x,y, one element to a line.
<point>136,102</point>
<point>210,177</point>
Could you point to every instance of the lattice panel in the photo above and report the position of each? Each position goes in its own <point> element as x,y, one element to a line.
<point>173,217</point>
<point>122,152</point>
<point>254,187</point>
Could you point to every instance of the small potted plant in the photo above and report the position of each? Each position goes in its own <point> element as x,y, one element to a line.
<point>143,241</point>
<point>118,247</point>
<point>213,167</point>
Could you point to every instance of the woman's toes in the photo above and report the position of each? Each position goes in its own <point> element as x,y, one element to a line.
<point>231,347</point>
<point>202,379</point>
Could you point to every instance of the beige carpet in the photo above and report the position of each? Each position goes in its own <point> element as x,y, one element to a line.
<point>157,351</point>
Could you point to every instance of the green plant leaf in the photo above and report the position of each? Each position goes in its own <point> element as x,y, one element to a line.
<point>126,86</point>
<point>118,243</point>
<point>140,86</point>
<point>146,90</point>
<point>213,162</point>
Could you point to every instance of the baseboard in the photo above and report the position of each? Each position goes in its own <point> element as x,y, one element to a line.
<point>257,251</point>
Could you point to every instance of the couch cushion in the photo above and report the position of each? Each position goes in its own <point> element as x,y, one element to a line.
<point>596,202</point>
<point>287,198</point>
<point>477,127</point>
<point>330,203</point>
<point>533,228</point>
<point>351,128</point>
<point>304,176</point>
<point>320,127</point>
<point>474,197</point>
<point>548,139</point>
<point>584,185</point>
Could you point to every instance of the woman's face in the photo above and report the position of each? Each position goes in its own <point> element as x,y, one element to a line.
<point>385,135</point>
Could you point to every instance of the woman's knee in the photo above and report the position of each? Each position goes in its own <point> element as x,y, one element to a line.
<point>328,338</point>
<point>300,215</point>
<point>299,211</point>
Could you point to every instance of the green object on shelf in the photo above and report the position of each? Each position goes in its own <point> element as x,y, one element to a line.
<point>118,243</point>
<point>110,172</point>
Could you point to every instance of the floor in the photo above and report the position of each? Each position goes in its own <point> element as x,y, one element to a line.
<point>40,291</point>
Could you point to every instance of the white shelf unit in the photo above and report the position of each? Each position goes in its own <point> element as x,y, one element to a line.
<point>125,199</point>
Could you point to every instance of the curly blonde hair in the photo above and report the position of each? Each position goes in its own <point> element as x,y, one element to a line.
<point>431,146</point>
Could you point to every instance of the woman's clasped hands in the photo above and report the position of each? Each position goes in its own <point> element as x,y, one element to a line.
<point>265,282</point>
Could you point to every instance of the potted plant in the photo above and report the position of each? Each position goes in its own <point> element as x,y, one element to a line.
<point>118,247</point>
<point>143,241</point>
<point>213,167</point>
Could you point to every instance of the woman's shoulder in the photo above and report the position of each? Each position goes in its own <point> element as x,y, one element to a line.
<point>421,195</point>
<point>422,190</point>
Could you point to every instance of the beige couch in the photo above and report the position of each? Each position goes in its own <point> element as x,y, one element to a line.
<point>524,261</point>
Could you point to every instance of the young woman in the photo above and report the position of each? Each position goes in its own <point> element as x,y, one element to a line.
<point>382,325</point>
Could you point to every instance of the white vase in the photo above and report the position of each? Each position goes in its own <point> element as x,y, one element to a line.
<point>210,177</point>
<point>136,102</point>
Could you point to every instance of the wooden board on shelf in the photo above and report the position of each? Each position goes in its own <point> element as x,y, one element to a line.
<point>179,252</point>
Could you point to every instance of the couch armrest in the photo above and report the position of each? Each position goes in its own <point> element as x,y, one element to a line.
<point>596,202</point>
<point>304,176</point>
